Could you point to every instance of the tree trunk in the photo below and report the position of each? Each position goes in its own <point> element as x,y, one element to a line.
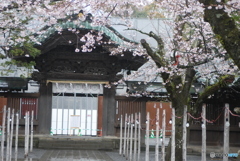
<point>225,28</point>
<point>178,136</point>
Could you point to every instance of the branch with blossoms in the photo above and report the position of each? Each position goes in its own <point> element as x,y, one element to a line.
<point>193,63</point>
<point>155,37</point>
<point>120,36</point>
<point>155,56</point>
<point>220,5</point>
<point>209,90</point>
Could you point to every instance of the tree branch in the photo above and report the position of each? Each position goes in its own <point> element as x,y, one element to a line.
<point>155,56</point>
<point>119,35</point>
<point>155,37</point>
<point>190,75</point>
<point>112,10</point>
<point>223,81</point>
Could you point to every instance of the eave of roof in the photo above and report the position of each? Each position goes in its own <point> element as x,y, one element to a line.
<point>109,31</point>
<point>13,83</point>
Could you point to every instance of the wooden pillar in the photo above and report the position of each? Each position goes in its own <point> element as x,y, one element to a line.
<point>109,111</point>
<point>45,108</point>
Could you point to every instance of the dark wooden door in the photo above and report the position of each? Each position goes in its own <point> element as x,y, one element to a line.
<point>3,102</point>
<point>152,109</point>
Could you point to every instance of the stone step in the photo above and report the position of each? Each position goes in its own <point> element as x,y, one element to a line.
<point>80,143</point>
<point>72,143</point>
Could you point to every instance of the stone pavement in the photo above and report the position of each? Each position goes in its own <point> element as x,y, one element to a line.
<point>70,148</point>
<point>87,155</point>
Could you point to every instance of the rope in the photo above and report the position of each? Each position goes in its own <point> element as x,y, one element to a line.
<point>178,116</point>
<point>212,120</point>
<point>194,117</point>
<point>232,113</point>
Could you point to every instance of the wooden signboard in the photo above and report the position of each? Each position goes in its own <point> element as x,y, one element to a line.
<point>74,121</point>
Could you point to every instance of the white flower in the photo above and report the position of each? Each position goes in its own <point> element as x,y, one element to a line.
<point>77,50</point>
<point>83,39</point>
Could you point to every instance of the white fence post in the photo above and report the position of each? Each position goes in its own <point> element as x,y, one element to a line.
<point>139,135</point>
<point>157,136</point>
<point>128,135</point>
<point>173,136</point>
<point>163,134</point>
<point>120,146</point>
<point>11,135</point>
<point>131,138</point>
<point>226,133</point>
<point>28,127</point>
<point>16,137</point>
<point>147,138</point>
<point>125,136</point>
<point>135,139</point>
<point>204,137</point>
<point>184,139</point>
<point>26,146</point>
<point>3,132</point>
<point>8,135</point>
<point>31,139</point>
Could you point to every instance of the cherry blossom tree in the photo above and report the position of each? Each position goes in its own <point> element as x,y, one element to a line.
<point>193,50</point>
<point>224,18</point>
